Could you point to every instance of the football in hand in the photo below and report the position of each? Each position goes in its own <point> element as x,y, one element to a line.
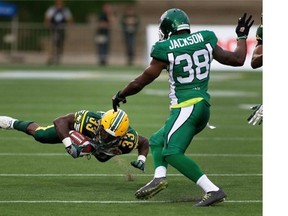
<point>80,139</point>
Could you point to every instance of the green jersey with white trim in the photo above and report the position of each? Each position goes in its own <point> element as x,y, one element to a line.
<point>189,57</point>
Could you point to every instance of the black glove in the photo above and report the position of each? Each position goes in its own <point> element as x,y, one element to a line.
<point>74,150</point>
<point>139,164</point>
<point>116,99</point>
<point>243,27</point>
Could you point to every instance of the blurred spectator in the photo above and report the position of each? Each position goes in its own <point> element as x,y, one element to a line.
<point>130,22</point>
<point>257,56</point>
<point>256,116</point>
<point>106,18</point>
<point>56,18</point>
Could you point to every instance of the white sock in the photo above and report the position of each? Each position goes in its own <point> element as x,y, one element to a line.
<point>160,172</point>
<point>12,123</point>
<point>206,184</point>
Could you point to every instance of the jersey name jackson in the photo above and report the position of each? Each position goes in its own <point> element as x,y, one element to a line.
<point>181,42</point>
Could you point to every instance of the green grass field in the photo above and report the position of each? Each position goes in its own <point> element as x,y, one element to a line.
<point>37,179</point>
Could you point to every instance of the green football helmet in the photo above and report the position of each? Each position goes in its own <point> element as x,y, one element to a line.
<point>171,21</point>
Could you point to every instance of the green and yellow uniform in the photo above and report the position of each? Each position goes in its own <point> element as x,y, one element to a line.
<point>87,123</point>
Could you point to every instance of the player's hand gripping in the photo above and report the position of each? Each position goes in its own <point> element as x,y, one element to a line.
<point>256,116</point>
<point>139,164</point>
<point>116,99</point>
<point>74,150</point>
<point>243,27</point>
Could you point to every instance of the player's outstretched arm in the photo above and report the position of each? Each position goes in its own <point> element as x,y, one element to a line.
<point>143,149</point>
<point>238,56</point>
<point>63,125</point>
<point>257,57</point>
<point>149,74</point>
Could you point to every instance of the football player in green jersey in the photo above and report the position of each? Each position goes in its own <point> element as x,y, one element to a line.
<point>257,62</point>
<point>110,132</point>
<point>257,56</point>
<point>187,57</point>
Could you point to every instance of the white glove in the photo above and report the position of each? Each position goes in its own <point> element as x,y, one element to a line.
<point>74,150</point>
<point>257,115</point>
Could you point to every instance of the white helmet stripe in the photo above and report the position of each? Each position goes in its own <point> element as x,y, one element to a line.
<point>117,121</point>
<point>183,27</point>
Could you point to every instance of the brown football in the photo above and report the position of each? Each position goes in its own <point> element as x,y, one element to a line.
<point>80,139</point>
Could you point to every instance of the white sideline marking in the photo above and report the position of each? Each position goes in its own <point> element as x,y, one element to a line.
<point>112,175</point>
<point>88,74</point>
<point>115,201</point>
<point>70,75</point>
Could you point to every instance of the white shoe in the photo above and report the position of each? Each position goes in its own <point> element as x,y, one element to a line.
<point>6,122</point>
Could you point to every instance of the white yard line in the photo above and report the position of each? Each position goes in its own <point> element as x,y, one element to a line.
<point>114,201</point>
<point>125,155</point>
<point>115,175</point>
<point>196,138</point>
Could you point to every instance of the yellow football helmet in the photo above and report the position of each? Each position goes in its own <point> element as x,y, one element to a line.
<point>115,123</point>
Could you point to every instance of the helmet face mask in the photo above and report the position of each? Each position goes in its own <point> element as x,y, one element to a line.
<point>105,140</point>
<point>172,21</point>
<point>161,35</point>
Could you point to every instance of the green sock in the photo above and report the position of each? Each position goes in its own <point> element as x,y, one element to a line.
<point>157,156</point>
<point>185,165</point>
<point>21,125</point>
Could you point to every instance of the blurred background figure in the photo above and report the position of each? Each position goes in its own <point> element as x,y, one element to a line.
<point>130,22</point>
<point>57,17</point>
<point>257,56</point>
<point>256,116</point>
<point>106,18</point>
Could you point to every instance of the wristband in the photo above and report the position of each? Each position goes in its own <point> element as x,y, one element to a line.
<point>142,158</point>
<point>118,95</point>
<point>67,142</point>
<point>242,38</point>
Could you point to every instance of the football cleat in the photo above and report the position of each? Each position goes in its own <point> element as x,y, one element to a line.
<point>212,198</point>
<point>151,188</point>
<point>6,122</point>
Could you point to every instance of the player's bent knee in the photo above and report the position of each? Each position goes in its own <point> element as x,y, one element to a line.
<point>45,137</point>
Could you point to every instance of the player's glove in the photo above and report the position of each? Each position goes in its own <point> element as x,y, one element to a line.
<point>116,99</point>
<point>74,150</point>
<point>257,115</point>
<point>139,164</point>
<point>243,27</point>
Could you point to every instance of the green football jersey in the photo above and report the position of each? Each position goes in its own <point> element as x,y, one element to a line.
<point>259,35</point>
<point>87,122</point>
<point>189,57</point>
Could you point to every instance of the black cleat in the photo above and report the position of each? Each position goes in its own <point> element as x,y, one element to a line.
<point>151,188</point>
<point>212,198</point>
